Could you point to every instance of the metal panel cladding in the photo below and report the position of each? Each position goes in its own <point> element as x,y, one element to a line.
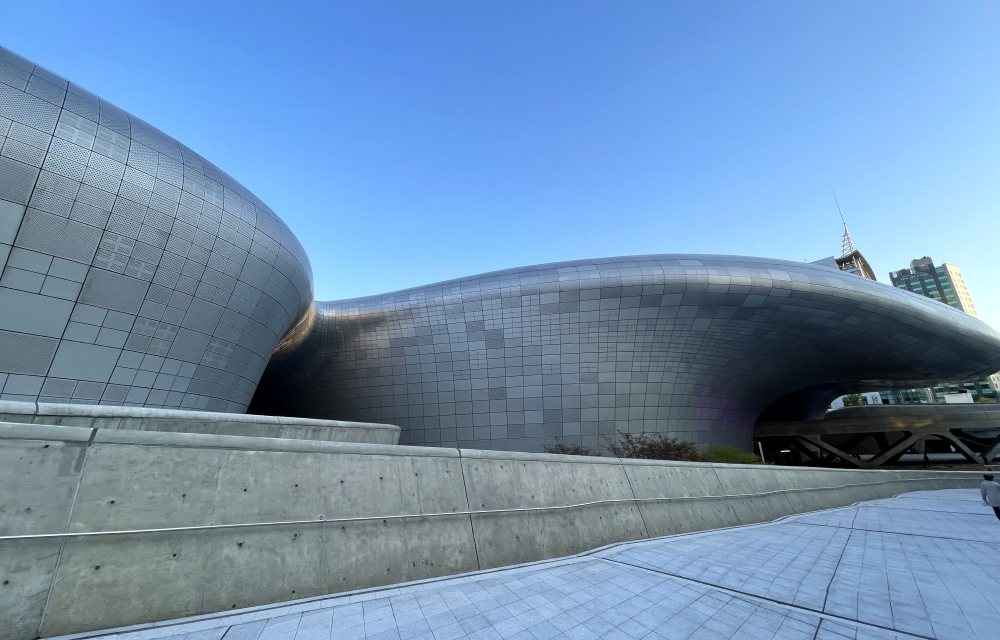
<point>135,272</point>
<point>693,346</point>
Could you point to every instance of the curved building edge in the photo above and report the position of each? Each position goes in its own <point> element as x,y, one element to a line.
<point>693,346</point>
<point>135,272</point>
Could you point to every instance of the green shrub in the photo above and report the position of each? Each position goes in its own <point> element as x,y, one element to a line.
<point>729,454</point>
<point>854,400</point>
<point>564,449</point>
<point>651,446</point>
<point>656,446</point>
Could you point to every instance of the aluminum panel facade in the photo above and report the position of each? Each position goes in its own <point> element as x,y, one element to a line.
<point>134,271</point>
<point>693,346</point>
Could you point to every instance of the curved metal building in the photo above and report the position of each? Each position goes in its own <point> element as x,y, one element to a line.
<point>135,272</point>
<point>693,346</point>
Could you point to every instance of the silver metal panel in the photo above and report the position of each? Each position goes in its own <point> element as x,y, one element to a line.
<point>145,243</point>
<point>689,345</point>
<point>136,272</point>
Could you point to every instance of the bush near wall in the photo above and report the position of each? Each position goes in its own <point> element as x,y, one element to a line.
<point>656,446</point>
<point>729,454</point>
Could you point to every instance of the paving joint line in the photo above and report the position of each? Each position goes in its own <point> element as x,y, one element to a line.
<point>843,550</point>
<point>757,598</point>
<point>963,513</point>
<point>898,533</point>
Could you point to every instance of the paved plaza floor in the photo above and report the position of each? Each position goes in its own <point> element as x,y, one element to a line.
<point>922,565</point>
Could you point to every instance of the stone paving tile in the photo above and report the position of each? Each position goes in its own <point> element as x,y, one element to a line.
<point>923,565</point>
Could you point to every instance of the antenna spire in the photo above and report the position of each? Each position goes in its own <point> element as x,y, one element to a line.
<point>846,246</point>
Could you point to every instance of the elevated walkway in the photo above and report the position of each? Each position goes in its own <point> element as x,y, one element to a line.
<point>205,422</point>
<point>973,430</point>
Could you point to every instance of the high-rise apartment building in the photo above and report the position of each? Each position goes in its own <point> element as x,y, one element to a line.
<point>944,283</point>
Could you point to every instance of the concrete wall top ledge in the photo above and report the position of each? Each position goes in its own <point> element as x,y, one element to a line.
<point>18,431</point>
<point>477,454</point>
<point>25,408</point>
<point>683,463</point>
<point>8,407</point>
<point>284,420</point>
<point>642,462</point>
<point>13,430</point>
<point>484,454</point>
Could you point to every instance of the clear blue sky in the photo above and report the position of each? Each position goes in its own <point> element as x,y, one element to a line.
<point>411,142</point>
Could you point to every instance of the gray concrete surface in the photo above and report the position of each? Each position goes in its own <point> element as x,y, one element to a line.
<point>922,565</point>
<point>171,420</point>
<point>504,480</point>
<point>252,521</point>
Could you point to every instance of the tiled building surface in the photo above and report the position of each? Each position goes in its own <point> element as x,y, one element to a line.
<point>924,565</point>
<point>134,272</point>
<point>693,346</point>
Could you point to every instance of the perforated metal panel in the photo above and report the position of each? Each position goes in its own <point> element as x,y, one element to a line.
<point>124,254</point>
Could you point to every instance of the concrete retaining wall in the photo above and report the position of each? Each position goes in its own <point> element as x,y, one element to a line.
<point>170,420</point>
<point>59,479</point>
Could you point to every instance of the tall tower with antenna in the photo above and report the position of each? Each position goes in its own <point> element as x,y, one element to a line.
<point>850,259</point>
<point>846,246</point>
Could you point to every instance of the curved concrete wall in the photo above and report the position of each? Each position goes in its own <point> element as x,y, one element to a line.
<point>72,479</point>
<point>694,346</point>
<point>168,420</point>
<point>134,271</point>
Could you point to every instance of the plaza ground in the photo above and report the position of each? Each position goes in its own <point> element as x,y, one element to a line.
<point>921,565</point>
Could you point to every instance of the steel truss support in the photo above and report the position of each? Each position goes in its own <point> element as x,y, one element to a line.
<point>976,450</point>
